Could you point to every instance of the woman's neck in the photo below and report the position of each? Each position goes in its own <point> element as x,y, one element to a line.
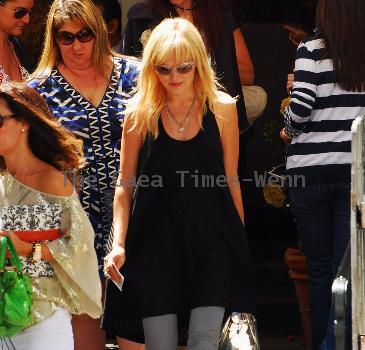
<point>184,5</point>
<point>87,71</point>
<point>180,99</point>
<point>23,163</point>
<point>4,40</point>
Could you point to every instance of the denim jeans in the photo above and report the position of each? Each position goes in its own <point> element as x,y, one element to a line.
<point>322,213</point>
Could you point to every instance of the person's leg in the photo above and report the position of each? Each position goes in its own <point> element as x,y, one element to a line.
<point>161,332</point>
<point>312,210</point>
<point>87,331</point>
<point>341,224</point>
<point>54,333</point>
<point>341,238</point>
<point>125,344</point>
<point>204,328</point>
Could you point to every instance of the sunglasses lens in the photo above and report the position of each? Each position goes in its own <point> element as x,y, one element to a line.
<point>65,38</point>
<point>163,70</point>
<point>85,35</point>
<point>185,68</point>
<point>20,13</point>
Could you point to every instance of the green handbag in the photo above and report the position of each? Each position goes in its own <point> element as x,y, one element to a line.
<point>15,292</point>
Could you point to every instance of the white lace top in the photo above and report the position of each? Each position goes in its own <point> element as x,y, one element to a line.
<point>4,77</point>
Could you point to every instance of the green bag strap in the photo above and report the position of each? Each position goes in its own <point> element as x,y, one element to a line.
<point>5,242</point>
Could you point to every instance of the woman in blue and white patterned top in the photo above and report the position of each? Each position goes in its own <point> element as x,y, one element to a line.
<point>85,84</point>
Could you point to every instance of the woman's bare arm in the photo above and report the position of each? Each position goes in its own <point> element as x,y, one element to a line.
<point>245,65</point>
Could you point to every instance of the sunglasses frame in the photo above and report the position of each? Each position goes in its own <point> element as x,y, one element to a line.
<point>5,117</point>
<point>23,12</point>
<point>177,68</point>
<point>78,35</point>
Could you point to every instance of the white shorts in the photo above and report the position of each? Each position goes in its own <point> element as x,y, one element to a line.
<point>54,333</point>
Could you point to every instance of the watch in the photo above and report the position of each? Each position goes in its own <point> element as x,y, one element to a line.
<point>37,252</point>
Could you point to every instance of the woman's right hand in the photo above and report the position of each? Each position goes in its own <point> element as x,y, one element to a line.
<point>116,258</point>
<point>289,83</point>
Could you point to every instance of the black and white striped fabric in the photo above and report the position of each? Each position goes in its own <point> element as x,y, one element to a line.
<point>319,118</point>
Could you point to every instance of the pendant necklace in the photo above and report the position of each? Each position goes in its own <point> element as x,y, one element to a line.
<point>181,125</point>
<point>185,12</point>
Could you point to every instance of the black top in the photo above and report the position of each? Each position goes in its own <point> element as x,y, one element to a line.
<point>186,246</point>
<point>142,17</point>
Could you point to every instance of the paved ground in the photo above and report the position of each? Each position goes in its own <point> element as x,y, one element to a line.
<point>281,342</point>
<point>268,342</point>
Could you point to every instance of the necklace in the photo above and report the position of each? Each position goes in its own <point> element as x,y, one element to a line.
<point>187,118</point>
<point>183,9</point>
<point>186,13</point>
<point>180,124</point>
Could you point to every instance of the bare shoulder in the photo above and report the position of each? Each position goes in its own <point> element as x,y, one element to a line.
<point>224,105</point>
<point>55,183</point>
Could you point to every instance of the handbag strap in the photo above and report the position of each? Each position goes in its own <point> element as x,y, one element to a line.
<point>5,242</point>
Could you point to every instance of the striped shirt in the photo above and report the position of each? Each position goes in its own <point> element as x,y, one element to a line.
<point>319,118</point>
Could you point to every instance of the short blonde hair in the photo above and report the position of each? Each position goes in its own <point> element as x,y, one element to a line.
<point>82,11</point>
<point>179,38</point>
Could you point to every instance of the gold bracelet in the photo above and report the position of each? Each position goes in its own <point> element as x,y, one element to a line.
<point>286,134</point>
<point>37,252</point>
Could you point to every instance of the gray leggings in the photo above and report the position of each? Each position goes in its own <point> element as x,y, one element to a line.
<point>204,329</point>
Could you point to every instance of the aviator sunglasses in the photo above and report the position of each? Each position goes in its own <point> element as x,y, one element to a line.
<point>66,38</point>
<point>21,12</point>
<point>183,68</point>
<point>3,117</point>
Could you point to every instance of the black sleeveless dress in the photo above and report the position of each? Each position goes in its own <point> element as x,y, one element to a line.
<point>186,246</point>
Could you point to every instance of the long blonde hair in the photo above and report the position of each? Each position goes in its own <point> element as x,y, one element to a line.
<point>82,11</point>
<point>172,37</point>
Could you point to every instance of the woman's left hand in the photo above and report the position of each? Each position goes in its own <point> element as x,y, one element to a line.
<point>22,248</point>
<point>285,137</point>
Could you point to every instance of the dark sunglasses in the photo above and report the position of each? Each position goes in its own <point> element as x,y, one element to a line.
<point>3,117</point>
<point>66,38</point>
<point>183,68</point>
<point>21,12</point>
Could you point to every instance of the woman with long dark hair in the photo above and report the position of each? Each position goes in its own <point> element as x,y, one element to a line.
<point>42,215</point>
<point>328,94</point>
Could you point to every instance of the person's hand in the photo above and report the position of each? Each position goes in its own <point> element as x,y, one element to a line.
<point>285,137</point>
<point>289,83</point>
<point>296,35</point>
<point>115,259</point>
<point>21,247</point>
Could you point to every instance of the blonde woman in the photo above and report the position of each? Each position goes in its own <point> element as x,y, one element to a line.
<point>86,84</point>
<point>42,215</point>
<point>180,239</point>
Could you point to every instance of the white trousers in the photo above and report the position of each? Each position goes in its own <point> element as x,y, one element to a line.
<point>54,333</point>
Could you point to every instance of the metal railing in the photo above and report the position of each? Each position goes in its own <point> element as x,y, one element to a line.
<point>352,271</point>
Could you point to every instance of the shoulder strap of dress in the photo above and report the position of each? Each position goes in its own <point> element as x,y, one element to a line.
<point>144,154</point>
